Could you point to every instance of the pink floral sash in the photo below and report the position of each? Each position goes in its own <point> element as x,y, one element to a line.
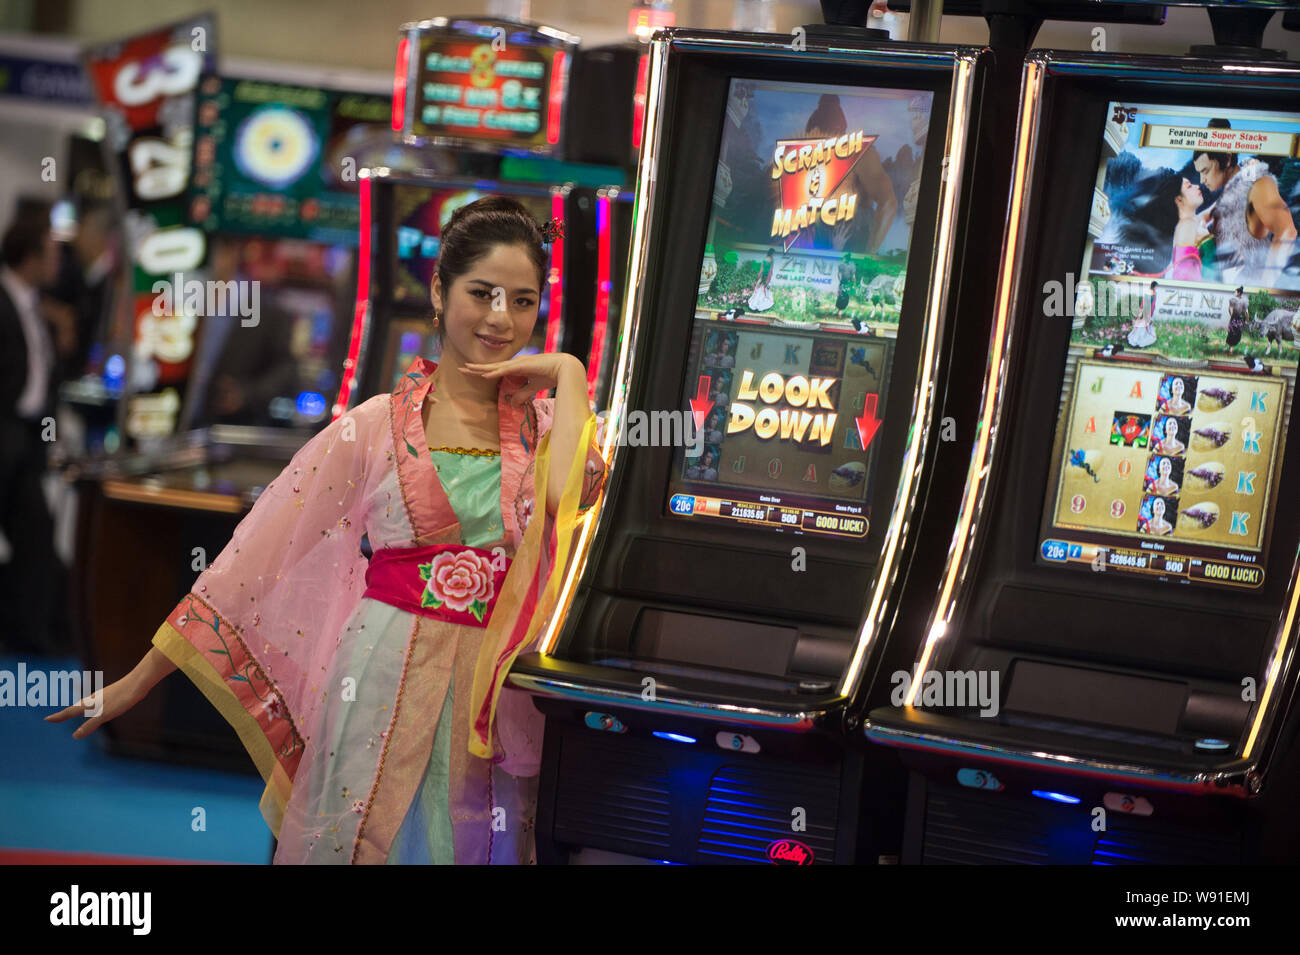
<point>452,582</point>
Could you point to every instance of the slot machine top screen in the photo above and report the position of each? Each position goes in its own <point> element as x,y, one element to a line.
<point>1182,359</point>
<point>491,83</point>
<point>796,318</point>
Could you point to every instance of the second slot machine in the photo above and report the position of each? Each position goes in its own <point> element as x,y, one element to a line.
<point>1107,675</point>
<point>774,420</point>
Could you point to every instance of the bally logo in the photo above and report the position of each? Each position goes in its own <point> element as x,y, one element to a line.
<point>789,852</point>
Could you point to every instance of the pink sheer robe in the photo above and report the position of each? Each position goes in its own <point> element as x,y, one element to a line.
<point>276,634</point>
<point>1186,263</point>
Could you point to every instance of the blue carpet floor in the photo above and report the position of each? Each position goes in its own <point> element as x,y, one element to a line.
<point>67,795</point>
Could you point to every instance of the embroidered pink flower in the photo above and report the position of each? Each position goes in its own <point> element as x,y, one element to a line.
<point>274,708</point>
<point>358,807</point>
<point>460,580</point>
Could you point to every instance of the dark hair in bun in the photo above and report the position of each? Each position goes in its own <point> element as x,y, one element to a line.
<point>474,230</point>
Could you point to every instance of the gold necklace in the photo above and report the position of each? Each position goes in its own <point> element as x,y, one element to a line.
<point>476,452</point>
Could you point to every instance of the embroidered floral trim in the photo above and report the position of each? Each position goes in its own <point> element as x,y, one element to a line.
<point>199,616</point>
<point>406,397</point>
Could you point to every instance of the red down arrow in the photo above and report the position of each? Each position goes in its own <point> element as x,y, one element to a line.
<point>868,424</point>
<point>700,404</point>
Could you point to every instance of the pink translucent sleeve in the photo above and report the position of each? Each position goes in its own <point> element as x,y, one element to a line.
<point>267,613</point>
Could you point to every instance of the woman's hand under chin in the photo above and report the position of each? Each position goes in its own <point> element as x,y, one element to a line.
<point>543,372</point>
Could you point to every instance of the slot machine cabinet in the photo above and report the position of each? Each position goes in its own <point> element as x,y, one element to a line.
<point>606,113</point>
<point>696,688</point>
<point>599,341</point>
<point>1124,563</point>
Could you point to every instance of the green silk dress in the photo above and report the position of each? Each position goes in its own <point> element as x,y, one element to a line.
<point>473,487</point>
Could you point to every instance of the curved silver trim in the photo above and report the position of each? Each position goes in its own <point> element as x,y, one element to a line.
<point>966,533</point>
<point>594,525</point>
<point>799,722</point>
<point>1201,783</point>
<point>925,398</point>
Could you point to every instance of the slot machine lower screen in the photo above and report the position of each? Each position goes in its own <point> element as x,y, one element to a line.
<point>1182,360</point>
<point>797,316</point>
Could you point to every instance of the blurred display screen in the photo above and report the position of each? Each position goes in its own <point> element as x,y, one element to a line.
<point>275,159</point>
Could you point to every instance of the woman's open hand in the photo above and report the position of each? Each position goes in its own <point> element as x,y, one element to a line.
<point>541,372</point>
<point>98,708</point>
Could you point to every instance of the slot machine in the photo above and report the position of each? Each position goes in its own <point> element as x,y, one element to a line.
<point>788,324</point>
<point>1106,673</point>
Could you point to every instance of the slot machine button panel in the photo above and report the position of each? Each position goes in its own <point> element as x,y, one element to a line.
<point>737,742</point>
<point>979,779</point>
<point>606,722</point>
<point>1130,805</point>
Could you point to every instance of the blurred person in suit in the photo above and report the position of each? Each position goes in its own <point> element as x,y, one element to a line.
<point>84,283</point>
<point>239,368</point>
<point>29,262</point>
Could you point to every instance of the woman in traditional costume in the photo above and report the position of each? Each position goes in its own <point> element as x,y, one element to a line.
<point>1171,226</point>
<point>760,300</point>
<point>1143,333</point>
<point>370,694</point>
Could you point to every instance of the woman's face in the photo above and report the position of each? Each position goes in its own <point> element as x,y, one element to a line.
<point>1190,195</point>
<point>489,312</point>
<point>1171,429</point>
<point>1158,508</point>
<point>1165,468</point>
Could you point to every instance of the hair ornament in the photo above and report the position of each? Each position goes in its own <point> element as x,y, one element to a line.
<point>553,230</point>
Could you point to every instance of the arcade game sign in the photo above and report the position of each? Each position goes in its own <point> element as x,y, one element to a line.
<point>145,85</point>
<point>499,84</point>
<point>274,159</point>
